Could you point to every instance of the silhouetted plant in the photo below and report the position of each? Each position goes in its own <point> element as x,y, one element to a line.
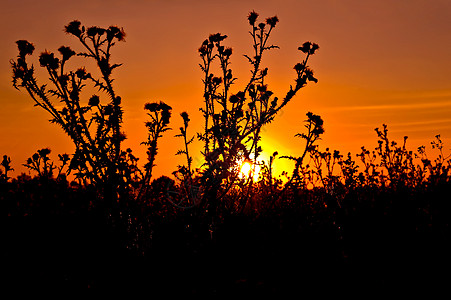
<point>188,194</point>
<point>398,161</point>
<point>94,128</point>
<point>441,162</point>
<point>267,174</point>
<point>233,120</point>
<point>160,114</point>
<point>324,164</point>
<point>314,125</point>
<point>40,162</point>
<point>349,170</point>
<point>438,169</point>
<point>6,164</point>
<point>185,171</point>
<point>64,159</point>
<point>370,173</point>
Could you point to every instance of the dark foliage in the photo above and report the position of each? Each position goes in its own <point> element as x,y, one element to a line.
<point>375,220</point>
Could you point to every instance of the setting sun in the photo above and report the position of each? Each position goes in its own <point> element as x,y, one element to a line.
<point>248,169</point>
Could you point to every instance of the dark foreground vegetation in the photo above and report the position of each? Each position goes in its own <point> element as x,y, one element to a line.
<point>371,221</point>
<point>53,236</point>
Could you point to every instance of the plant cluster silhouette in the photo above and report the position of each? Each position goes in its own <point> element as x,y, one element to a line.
<point>331,210</point>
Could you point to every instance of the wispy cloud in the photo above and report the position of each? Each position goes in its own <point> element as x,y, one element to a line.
<point>425,123</point>
<point>404,101</point>
<point>393,106</point>
<point>437,94</point>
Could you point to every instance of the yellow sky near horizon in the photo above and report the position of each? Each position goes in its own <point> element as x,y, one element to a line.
<point>379,62</point>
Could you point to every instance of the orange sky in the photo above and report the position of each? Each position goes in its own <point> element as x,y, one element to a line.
<point>379,62</point>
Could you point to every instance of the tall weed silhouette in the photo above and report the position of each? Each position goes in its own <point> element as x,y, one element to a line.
<point>233,120</point>
<point>94,127</point>
<point>93,122</point>
<point>6,164</point>
<point>160,114</point>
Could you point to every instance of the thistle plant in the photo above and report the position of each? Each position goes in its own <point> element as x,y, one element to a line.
<point>40,162</point>
<point>64,159</point>
<point>314,125</point>
<point>6,164</point>
<point>324,164</point>
<point>92,122</point>
<point>160,114</point>
<point>370,172</point>
<point>349,172</point>
<point>185,171</point>
<point>233,120</point>
<point>397,160</point>
<point>437,169</point>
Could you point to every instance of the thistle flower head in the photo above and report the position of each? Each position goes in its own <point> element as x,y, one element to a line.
<point>48,59</point>
<point>73,28</point>
<point>317,122</point>
<point>203,50</point>
<point>35,157</point>
<point>216,38</point>
<point>217,80</point>
<point>82,74</point>
<point>165,113</point>
<point>25,48</point>
<point>272,21</point>
<point>94,30</point>
<point>66,52</point>
<point>252,17</point>
<point>309,74</point>
<point>164,106</point>
<point>299,67</point>
<point>227,51</point>
<point>152,107</point>
<point>44,152</point>
<point>63,79</point>
<point>309,48</point>
<point>238,97</point>
<point>185,116</point>
<point>115,32</point>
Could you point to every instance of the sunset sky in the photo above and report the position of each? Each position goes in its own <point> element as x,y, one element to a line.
<point>381,61</point>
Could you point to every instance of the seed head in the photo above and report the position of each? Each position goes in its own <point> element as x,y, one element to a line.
<point>48,59</point>
<point>73,28</point>
<point>66,52</point>
<point>252,17</point>
<point>272,21</point>
<point>25,48</point>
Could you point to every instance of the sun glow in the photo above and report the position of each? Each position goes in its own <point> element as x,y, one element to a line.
<point>248,169</point>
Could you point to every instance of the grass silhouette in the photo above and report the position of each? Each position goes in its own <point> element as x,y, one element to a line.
<point>373,220</point>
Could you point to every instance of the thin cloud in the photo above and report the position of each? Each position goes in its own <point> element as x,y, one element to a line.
<point>424,105</point>
<point>439,94</point>
<point>424,123</point>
